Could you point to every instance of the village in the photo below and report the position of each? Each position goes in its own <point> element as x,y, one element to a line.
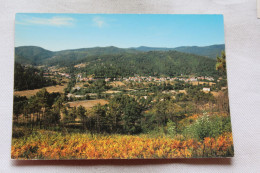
<point>81,79</point>
<point>138,78</point>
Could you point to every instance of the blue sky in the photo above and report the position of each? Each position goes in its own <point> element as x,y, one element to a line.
<point>70,31</point>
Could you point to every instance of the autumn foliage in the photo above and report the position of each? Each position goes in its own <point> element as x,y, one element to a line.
<point>52,145</point>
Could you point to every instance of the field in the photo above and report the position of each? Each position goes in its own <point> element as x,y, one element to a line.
<point>51,89</point>
<point>215,94</point>
<point>201,83</point>
<point>52,145</point>
<point>112,92</point>
<point>80,65</point>
<point>87,103</point>
<point>183,91</point>
<point>117,84</point>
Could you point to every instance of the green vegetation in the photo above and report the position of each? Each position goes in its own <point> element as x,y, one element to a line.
<point>27,78</point>
<point>221,64</point>
<point>208,126</point>
<point>117,62</point>
<point>208,51</point>
<point>36,55</point>
<point>124,114</point>
<point>31,55</point>
<point>169,63</point>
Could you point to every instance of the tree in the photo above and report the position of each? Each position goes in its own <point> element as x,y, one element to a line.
<point>114,116</point>
<point>59,102</point>
<point>19,104</point>
<point>221,63</point>
<point>81,112</point>
<point>99,114</point>
<point>125,113</point>
<point>132,117</point>
<point>26,78</point>
<point>69,115</point>
<point>42,100</point>
<point>160,110</point>
<point>34,110</point>
<point>52,117</point>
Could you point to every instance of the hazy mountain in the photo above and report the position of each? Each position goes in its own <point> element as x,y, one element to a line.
<point>37,55</point>
<point>147,49</point>
<point>97,51</point>
<point>208,51</point>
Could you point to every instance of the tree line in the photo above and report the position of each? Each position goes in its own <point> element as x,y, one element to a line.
<point>28,78</point>
<point>123,114</point>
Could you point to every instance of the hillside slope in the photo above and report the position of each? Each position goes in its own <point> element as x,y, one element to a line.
<point>32,55</point>
<point>114,62</point>
<point>209,51</point>
<point>152,63</point>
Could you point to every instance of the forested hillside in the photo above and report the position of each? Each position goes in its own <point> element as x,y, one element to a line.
<point>153,63</point>
<point>26,78</point>
<point>117,62</point>
<point>208,51</point>
<point>32,55</point>
<point>35,55</point>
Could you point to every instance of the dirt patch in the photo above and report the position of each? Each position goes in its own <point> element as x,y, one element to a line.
<point>183,91</point>
<point>215,94</point>
<point>117,83</point>
<point>112,92</point>
<point>88,103</point>
<point>80,65</point>
<point>201,83</point>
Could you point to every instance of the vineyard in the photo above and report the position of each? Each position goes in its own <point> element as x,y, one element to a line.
<point>53,145</point>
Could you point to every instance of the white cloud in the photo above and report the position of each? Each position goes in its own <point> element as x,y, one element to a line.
<point>99,22</point>
<point>54,21</point>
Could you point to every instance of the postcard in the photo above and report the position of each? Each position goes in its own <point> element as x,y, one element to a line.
<point>120,86</point>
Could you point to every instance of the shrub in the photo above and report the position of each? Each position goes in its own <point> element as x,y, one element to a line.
<point>171,128</point>
<point>208,126</point>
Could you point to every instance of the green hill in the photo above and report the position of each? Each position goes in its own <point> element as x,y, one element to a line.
<point>152,63</point>
<point>32,55</point>
<point>36,55</point>
<point>63,57</point>
<point>209,51</point>
<point>113,61</point>
<point>98,51</point>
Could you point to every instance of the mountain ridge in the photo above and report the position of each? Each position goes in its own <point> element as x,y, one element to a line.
<point>210,51</point>
<point>35,55</point>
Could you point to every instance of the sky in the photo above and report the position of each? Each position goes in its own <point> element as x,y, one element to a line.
<point>71,31</point>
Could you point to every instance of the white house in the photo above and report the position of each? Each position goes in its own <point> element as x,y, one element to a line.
<point>206,89</point>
